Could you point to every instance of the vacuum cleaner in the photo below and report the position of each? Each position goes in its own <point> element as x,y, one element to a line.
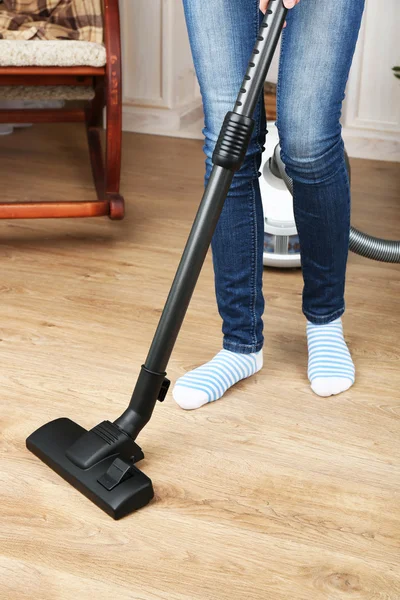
<point>281,241</point>
<point>101,463</point>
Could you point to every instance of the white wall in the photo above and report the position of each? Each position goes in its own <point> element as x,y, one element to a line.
<point>371,115</point>
<point>161,94</point>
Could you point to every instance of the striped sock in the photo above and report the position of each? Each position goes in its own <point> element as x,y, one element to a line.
<point>330,367</point>
<point>210,381</point>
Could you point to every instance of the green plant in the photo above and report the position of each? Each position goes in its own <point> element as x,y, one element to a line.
<point>396,72</point>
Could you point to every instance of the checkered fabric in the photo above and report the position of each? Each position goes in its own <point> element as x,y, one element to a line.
<point>51,20</point>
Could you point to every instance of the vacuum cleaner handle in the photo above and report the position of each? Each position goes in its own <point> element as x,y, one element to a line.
<point>228,157</point>
<point>260,61</point>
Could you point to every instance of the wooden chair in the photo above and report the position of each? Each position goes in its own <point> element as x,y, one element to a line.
<point>105,82</point>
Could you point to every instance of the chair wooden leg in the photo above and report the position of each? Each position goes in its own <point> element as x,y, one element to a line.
<point>96,108</point>
<point>117,207</point>
<point>106,179</point>
<point>114,111</point>
<point>113,157</point>
<point>96,160</point>
<point>94,120</point>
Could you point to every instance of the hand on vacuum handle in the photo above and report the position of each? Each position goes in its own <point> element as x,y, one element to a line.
<point>287,3</point>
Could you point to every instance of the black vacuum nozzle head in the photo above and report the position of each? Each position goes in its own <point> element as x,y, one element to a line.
<point>99,463</point>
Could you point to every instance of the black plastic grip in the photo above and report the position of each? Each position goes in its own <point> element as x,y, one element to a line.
<point>233,141</point>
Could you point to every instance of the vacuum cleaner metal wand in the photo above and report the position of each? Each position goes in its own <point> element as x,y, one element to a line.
<point>228,156</point>
<point>99,462</point>
<point>227,159</point>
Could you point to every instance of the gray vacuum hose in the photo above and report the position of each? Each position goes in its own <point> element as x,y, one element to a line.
<point>360,243</point>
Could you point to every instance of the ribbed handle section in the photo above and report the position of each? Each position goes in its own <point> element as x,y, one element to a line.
<point>233,141</point>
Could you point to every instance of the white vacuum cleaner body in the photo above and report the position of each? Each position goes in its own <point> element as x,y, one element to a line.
<point>281,241</point>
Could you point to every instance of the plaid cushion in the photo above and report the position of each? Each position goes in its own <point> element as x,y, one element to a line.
<point>52,20</point>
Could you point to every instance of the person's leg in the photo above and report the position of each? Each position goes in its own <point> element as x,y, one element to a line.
<point>317,50</point>
<point>222,35</point>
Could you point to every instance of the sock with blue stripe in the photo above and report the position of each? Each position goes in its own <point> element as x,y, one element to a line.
<point>330,367</point>
<point>210,381</point>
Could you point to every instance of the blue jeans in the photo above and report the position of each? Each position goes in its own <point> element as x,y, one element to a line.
<point>317,50</point>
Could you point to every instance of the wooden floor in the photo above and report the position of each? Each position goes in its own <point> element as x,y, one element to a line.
<point>272,493</point>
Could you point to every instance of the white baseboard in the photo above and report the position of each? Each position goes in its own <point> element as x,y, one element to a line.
<point>185,122</point>
<point>373,145</point>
